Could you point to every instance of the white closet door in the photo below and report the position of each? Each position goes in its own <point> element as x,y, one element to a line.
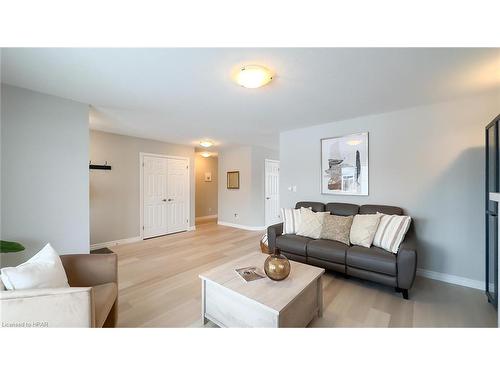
<point>155,196</point>
<point>272,176</point>
<point>178,195</point>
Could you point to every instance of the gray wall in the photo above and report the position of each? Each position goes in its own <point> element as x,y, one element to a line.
<point>206,192</point>
<point>114,195</point>
<point>428,160</point>
<point>45,183</point>
<point>247,201</point>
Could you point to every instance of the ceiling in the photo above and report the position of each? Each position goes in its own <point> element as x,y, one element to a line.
<point>182,95</point>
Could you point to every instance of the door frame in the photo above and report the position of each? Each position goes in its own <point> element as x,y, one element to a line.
<point>265,205</point>
<point>141,188</point>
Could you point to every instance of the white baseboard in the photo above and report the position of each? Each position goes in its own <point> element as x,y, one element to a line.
<point>452,279</point>
<point>239,226</point>
<point>114,243</point>
<point>206,217</point>
<point>193,227</point>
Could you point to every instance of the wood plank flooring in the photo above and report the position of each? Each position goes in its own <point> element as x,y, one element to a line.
<point>159,287</point>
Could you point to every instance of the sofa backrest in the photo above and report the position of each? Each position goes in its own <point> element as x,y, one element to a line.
<point>374,208</point>
<point>316,206</point>
<point>342,209</point>
<point>347,209</point>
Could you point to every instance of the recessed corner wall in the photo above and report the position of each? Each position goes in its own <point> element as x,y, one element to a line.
<point>45,181</point>
<point>428,160</point>
<point>206,191</point>
<point>243,207</point>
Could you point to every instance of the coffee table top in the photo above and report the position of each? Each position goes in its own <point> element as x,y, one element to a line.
<point>276,295</point>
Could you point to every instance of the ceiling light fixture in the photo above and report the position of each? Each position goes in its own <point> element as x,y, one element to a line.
<point>205,154</point>
<point>253,76</point>
<point>206,143</point>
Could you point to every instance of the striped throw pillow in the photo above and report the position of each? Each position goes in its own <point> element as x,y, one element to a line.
<point>391,232</point>
<point>291,220</point>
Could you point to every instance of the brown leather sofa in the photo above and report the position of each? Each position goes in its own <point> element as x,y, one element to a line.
<point>90,301</point>
<point>374,264</point>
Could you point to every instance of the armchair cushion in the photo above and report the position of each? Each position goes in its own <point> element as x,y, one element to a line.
<point>55,307</point>
<point>43,270</point>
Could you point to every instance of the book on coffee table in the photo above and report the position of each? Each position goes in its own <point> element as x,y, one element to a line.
<point>250,273</point>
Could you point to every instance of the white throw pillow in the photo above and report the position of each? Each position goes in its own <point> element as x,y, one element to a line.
<point>291,220</point>
<point>391,232</point>
<point>311,223</point>
<point>44,270</point>
<point>363,229</point>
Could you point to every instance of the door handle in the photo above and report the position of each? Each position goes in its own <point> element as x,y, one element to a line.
<point>268,198</point>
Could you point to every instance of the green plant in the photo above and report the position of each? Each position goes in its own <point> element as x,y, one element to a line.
<point>10,247</point>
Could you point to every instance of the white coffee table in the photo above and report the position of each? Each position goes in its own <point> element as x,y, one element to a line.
<point>229,301</point>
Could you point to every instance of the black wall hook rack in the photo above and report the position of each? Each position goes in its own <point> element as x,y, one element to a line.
<point>97,166</point>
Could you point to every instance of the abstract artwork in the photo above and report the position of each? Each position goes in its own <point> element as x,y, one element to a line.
<point>344,165</point>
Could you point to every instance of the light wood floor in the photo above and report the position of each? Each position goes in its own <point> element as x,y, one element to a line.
<point>159,287</point>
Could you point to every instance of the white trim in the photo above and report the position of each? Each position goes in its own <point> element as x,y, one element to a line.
<point>191,228</point>
<point>141,182</point>
<point>206,217</point>
<point>115,243</point>
<point>273,160</point>
<point>239,226</point>
<point>452,279</point>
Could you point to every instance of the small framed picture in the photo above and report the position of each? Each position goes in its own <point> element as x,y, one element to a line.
<point>233,180</point>
<point>208,176</point>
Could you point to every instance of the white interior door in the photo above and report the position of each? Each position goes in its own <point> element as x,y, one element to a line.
<point>154,196</point>
<point>178,195</point>
<point>165,195</point>
<point>273,212</point>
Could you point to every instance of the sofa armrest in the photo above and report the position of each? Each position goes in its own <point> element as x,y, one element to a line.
<point>90,269</point>
<point>54,307</point>
<point>272,233</point>
<point>407,264</point>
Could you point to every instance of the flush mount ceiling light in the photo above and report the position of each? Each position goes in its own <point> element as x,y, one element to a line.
<point>253,76</point>
<point>206,143</point>
<point>205,154</point>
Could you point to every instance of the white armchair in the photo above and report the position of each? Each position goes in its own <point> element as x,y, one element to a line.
<point>91,300</point>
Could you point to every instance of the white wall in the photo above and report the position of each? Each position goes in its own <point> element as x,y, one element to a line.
<point>247,202</point>
<point>45,185</point>
<point>428,160</point>
<point>114,195</point>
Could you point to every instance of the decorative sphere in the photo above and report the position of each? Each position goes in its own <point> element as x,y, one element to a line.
<point>277,267</point>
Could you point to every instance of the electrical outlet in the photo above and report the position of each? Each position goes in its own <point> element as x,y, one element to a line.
<point>236,216</point>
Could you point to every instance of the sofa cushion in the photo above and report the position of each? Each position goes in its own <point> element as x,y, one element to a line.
<point>291,243</point>
<point>43,270</point>
<point>104,298</point>
<point>336,228</point>
<point>311,223</point>
<point>372,259</point>
<point>342,209</point>
<point>315,206</point>
<point>332,251</point>
<point>363,229</point>
<point>374,208</point>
